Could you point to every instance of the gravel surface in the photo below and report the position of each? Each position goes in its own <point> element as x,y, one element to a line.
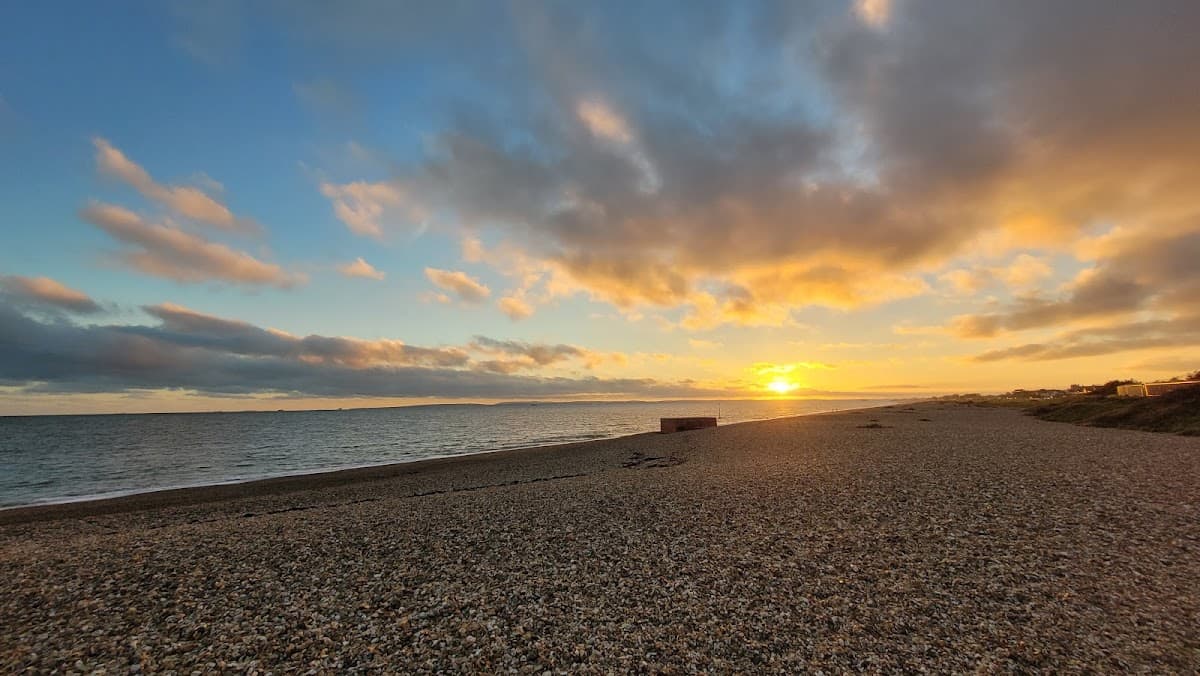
<point>940,537</point>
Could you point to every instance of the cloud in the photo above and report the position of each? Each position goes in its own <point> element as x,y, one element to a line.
<point>907,329</point>
<point>603,121</point>
<point>360,268</point>
<point>1022,274</point>
<point>1092,342</point>
<point>874,13</point>
<point>187,201</point>
<point>462,285</point>
<point>366,207</point>
<point>515,307</point>
<point>1183,331</point>
<point>43,291</point>
<point>706,312</point>
<point>963,326</point>
<point>1175,364</point>
<point>763,368</point>
<point>903,386</point>
<point>767,296</point>
<point>967,282</point>
<point>195,352</point>
<point>1025,271</point>
<point>186,327</point>
<point>840,146</point>
<point>522,355</point>
<point>698,344</point>
<point>608,125</point>
<point>1146,271</point>
<point>165,251</point>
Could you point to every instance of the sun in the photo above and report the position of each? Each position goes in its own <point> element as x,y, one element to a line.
<point>781,386</point>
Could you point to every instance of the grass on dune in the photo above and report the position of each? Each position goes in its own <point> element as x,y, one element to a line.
<point>1175,412</point>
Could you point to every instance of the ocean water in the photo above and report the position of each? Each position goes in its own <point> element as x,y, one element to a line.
<point>60,458</point>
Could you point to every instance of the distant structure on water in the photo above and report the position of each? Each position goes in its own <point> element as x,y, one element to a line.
<point>1153,389</point>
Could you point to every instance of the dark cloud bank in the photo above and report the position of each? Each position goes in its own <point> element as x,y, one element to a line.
<point>194,352</point>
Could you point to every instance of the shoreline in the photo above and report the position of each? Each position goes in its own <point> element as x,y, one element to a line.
<point>172,496</point>
<point>155,498</point>
<point>274,485</point>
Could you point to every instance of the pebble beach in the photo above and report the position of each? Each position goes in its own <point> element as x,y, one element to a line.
<point>933,536</point>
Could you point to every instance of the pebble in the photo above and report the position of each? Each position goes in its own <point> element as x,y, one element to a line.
<point>978,540</point>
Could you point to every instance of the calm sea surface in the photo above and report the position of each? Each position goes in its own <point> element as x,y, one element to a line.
<point>60,458</point>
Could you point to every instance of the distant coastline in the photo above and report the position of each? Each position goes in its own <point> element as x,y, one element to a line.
<point>841,396</point>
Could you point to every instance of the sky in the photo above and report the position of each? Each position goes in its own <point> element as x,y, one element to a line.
<point>294,204</point>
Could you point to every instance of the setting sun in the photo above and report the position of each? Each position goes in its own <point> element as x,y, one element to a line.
<point>781,386</point>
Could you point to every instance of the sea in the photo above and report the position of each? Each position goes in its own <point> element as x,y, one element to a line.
<point>63,458</point>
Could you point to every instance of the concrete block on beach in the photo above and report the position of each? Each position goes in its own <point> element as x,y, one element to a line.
<point>669,425</point>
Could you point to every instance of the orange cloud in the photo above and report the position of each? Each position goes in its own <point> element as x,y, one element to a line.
<point>459,283</point>
<point>165,251</point>
<point>360,268</point>
<point>46,291</point>
<point>516,308</point>
<point>1176,332</point>
<point>365,207</point>
<point>603,121</point>
<point>187,201</point>
<point>1151,273</point>
<point>1022,273</point>
<point>874,13</point>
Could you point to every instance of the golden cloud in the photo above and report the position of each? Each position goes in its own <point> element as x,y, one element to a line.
<point>166,251</point>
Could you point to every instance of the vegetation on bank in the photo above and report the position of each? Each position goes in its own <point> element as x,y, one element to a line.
<point>1176,412</point>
